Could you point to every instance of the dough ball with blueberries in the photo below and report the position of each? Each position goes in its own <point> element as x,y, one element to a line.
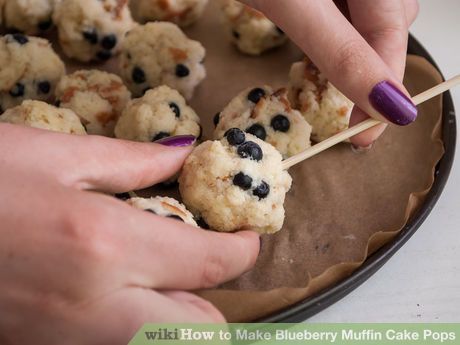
<point>321,104</point>
<point>160,113</point>
<point>44,116</point>
<point>31,17</point>
<point>97,97</point>
<point>180,12</point>
<point>236,183</point>
<point>30,69</point>
<point>250,30</point>
<point>161,54</point>
<point>268,115</point>
<point>164,207</point>
<point>92,30</point>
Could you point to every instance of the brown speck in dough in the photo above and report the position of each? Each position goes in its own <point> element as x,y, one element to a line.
<point>173,209</point>
<point>105,117</point>
<point>178,54</point>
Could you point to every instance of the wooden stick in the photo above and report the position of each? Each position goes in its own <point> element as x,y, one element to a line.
<point>369,123</point>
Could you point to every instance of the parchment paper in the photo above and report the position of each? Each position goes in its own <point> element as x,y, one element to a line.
<point>342,206</point>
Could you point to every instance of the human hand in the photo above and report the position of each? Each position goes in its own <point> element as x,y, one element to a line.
<point>365,60</point>
<point>79,267</point>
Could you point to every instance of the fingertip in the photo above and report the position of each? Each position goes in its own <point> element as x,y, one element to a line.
<point>253,244</point>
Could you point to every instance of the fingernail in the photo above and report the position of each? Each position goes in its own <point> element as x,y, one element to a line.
<point>388,100</point>
<point>361,149</point>
<point>177,141</point>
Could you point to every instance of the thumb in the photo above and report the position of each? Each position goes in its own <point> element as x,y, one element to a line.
<point>115,166</point>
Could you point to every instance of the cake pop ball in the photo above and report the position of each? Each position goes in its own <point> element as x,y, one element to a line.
<point>31,17</point>
<point>321,104</point>
<point>268,115</point>
<point>236,183</point>
<point>164,207</point>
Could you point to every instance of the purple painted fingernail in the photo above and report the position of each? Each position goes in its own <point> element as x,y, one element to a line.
<point>177,141</point>
<point>388,100</point>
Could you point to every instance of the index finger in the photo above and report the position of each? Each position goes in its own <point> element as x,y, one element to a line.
<point>344,56</point>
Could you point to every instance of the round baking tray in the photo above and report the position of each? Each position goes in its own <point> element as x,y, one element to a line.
<point>312,305</point>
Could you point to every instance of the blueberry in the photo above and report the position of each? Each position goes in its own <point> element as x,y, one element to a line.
<point>236,34</point>
<point>216,119</point>
<point>235,136</point>
<point>44,87</point>
<point>150,210</point>
<point>173,216</point>
<point>104,55</point>
<point>138,75</point>
<point>57,103</point>
<point>109,42</point>
<point>123,196</point>
<point>18,90</point>
<point>262,190</point>
<point>280,123</point>
<point>256,94</point>
<point>20,38</point>
<point>45,25</point>
<point>202,223</point>
<point>182,71</point>
<point>243,181</point>
<point>161,135</point>
<point>175,108</point>
<point>91,36</point>
<point>258,131</point>
<point>250,150</point>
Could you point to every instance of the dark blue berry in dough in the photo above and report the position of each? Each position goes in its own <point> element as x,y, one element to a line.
<point>18,90</point>
<point>138,75</point>
<point>256,94</point>
<point>236,34</point>
<point>262,190</point>
<point>173,216</point>
<point>123,196</point>
<point>91,36</point>
<point>216,119</point>
<point>258,131</point>
<point>182,71</point>
<point>243,181</point>
<point>45,25</point>
<point>20,38</point>
<point>250,150</point>
<point>175,108</point>
<point>235,136</point>
<point>44,87</point>
<point>161,135</point>
<point>104,55</point>
<point>109,42</point>
<point>280,123</point>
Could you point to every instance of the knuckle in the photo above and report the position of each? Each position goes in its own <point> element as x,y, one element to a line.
<point>88,236</point>
<point>350,58</point>
<point>214,271</point>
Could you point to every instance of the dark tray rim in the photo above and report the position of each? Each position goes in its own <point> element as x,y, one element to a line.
<point>313,305</point>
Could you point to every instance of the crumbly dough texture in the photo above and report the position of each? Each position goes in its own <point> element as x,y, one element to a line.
<point>180,12</point>
<point>250,30</point>
<point>207,188</point>
<point>31,17</point>
<point>30,69</point>
<point>97,97</point>
<point>92,30</point>
<point>44,116</point>
<point>155,115</point>
<point>243,113</point>
<point>322,105</point>
<point>164,207</point>
<point>160,53</point>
